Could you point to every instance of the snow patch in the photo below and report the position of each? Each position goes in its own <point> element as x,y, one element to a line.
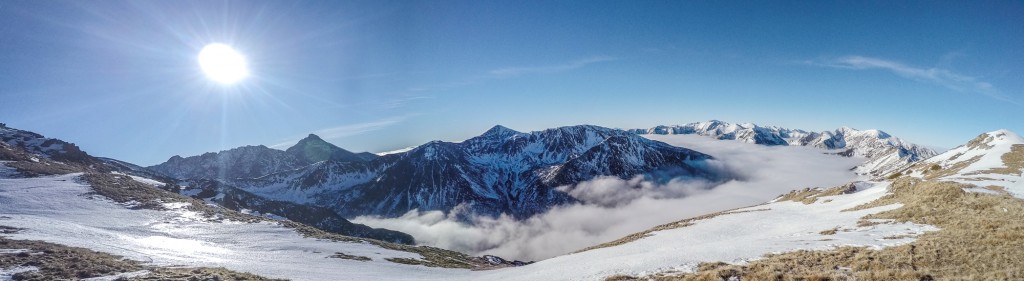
<point>121,276</point>
<point>7,274</point>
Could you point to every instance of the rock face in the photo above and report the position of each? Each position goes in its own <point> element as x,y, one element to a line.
<point>885,154</point>
<point>501,171</point>
<point>49,148</point>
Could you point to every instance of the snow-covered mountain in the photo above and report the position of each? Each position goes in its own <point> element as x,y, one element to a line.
<point>955,216</point>
<point>39,146</point>
<point>500,171</point>
<point>885,154</point>
<point>931,221</point>
<point>993,161</point>
<point>256,161</point>
<point>31,154</point>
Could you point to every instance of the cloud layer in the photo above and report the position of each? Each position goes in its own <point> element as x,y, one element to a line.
<point>620,207</point>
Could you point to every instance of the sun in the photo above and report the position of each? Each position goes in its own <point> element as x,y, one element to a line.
<point>223,64</point>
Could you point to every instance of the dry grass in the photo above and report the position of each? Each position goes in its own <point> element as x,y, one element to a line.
<point>59,262</point>
<point>30,165</point>
<point>811,195</point>
<point>981,238</point>
<point>830,231</point>
<point>124,189</point>
<point>1014,162</point>
<point>340,255</point>
<point>432,257</point>
<point>667,226</point>
<point>196,274</point>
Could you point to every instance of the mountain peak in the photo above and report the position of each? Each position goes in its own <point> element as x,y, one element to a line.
<point>312,137</point>
<point>1004,134</point>
<point>313,149</point>
<point>500,131</point>
<point>995,138</point>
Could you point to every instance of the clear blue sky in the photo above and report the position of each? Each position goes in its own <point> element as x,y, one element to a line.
<point>121,78</point>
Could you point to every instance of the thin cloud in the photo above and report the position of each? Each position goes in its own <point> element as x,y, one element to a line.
<point>939,76</point>
<point>346,130</point>
<point>509,72</point>
<point>547,69</point>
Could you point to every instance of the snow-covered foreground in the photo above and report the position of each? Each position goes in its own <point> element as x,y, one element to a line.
<point>735,237</point>
<point>56,209</point>
<point>981,163</point>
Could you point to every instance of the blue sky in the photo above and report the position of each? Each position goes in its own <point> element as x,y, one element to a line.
<point>121,78</point>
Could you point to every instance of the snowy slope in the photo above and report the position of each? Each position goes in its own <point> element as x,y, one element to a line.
<point>885,154</point>
<point>58,209</point>
<point>39,146</point>
<point>992,159</point>
<point>734,236</point>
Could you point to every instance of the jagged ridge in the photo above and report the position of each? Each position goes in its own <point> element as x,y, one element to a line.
<point>886,154</point>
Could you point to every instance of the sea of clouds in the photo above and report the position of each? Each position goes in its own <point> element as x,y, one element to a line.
<point>618,207</point>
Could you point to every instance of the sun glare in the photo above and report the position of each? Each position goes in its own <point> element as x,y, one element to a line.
<point>223,64</point>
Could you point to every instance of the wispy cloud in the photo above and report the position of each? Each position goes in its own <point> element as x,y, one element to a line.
<point>939,76</point>
<point>509,72</point>
<point>546,69</point>
<point>346,130</point>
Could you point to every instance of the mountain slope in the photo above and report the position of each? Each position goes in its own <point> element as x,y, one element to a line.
<point>30,155</point>
<point>944,218</point>
<point>313,149</point>
<point>257,161</point>
<point>991,161</point>
<point>500,171</point>
<point>885,154</point>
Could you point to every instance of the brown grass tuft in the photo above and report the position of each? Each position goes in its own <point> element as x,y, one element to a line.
<point>811,195</point>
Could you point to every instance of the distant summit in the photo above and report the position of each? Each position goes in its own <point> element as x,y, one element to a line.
<point>313,149</point>
<point>501,171</point>
<point>257,160</point>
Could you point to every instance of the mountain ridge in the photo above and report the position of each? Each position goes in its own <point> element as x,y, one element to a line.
<point>885,154</point>
<point>499,171</point>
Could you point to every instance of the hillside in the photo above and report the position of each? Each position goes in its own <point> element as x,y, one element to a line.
<point>501,171</point>
<point>885,154</point>
<point>942,219</point>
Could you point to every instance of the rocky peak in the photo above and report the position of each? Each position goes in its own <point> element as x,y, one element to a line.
<point>500,131</point>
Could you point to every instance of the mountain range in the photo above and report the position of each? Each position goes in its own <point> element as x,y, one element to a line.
<point>502,171</point>
<point>956,215</point>
<point>31,154</point>
<point>885,154</point>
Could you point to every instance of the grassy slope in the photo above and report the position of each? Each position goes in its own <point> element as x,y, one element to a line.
<point>981,238</point>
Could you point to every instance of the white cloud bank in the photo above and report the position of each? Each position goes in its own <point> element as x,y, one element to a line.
<point>621,207</point>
